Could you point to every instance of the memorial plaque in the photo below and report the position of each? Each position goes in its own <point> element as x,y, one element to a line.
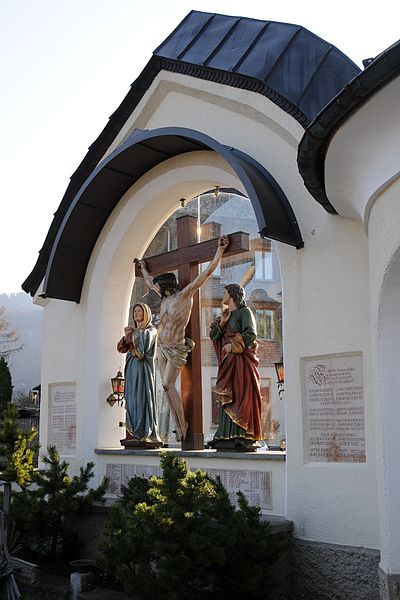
<point>333,408</point>
<point>255,485</point>
<point>62,414</point>
<point>119,474</point>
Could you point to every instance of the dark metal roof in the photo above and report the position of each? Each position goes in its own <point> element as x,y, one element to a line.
<point>143,150</point>
<point>316,139</point>
<point>294,68</point>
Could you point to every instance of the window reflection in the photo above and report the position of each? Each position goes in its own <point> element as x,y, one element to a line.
<point>257,270</point>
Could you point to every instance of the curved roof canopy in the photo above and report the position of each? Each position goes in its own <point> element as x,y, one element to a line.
<point>318,135</point>
<point>287,63</point>
<point>291,66</point>
<point>143,150</point>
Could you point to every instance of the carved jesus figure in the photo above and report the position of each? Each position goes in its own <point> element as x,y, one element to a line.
<point>173,346</point>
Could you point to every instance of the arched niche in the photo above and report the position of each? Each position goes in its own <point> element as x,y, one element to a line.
<point>82,220</point>
<point>110,276</point>
<point>221,211</point>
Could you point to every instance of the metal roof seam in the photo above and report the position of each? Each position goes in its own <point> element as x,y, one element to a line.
<point>171,35</point>
<point>195,38</point>
<point>313,75</point>
<point>119,172</point>
<point>250,48</point>
<point>281,55</point>
<point>219,46</point>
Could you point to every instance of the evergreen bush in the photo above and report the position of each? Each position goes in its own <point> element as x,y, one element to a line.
<point>179,536</point>
<point>5,384</point>
<point>49,515</point>
<point>17,449</point>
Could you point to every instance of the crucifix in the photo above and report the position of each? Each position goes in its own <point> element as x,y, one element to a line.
<point>186,260</point>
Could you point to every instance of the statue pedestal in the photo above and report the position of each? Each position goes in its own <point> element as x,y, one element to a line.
<point>132,443</point>
<point>260,475</point>
<point>234,445</point>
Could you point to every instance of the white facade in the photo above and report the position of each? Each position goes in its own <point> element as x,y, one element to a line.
<point>341,293</point>
<point>362,180</point>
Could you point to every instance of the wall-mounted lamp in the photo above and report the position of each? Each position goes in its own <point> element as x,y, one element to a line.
<point>280,374</point>
<point>216,191</point>
<point>118,388</point>
<point>34,397</point>
<point>183,202</point>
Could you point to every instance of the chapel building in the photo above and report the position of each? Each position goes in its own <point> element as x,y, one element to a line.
<point>262,128</point>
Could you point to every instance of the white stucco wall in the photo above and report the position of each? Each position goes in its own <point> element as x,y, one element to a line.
<point>63,361</point>
<point>362,180</point>
<point>325,292</point>
<point>326,311</point>
<point>384,252</point>
<point>362,158</point>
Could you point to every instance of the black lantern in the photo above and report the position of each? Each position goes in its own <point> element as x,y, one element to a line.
<point>34,397</point>
<point>280,373</point>
<point>118,387</point>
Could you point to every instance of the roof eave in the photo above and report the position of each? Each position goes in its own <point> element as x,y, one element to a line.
<point>318,134</point>
<point>116,121</point>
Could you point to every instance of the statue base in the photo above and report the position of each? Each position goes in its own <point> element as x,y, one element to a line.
<point>132,443</point>
<point>234,445</point>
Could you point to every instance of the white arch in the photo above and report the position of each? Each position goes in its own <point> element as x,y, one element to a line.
<point>389,400</point>
<point>110,276</point>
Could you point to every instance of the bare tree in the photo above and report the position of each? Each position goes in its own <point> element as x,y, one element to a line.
<point>8,337</point>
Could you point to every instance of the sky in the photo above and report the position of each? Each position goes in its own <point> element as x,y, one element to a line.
<point>66,65</point>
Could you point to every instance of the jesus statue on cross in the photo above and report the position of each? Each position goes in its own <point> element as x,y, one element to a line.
<point>173,346</point>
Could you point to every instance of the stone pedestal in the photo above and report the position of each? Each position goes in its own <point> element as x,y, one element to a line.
<point>81,582</point>
<point>132,443</point>
<point>234,445</point>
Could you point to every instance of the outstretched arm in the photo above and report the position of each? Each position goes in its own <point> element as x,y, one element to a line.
<point>194,285</point>
<point>146,275</point>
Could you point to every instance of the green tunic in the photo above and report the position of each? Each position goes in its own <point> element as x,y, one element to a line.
<point>237,385</point>
<point>241,320</point>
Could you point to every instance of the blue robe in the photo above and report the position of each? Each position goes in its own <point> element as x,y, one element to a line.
<point>140,384</point>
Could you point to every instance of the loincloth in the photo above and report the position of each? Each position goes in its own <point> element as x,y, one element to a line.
<point>176,354</point>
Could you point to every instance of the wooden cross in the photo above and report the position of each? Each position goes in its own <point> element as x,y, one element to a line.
<point>186,260</point>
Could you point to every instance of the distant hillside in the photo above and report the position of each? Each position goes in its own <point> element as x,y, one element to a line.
<point>26,318</point>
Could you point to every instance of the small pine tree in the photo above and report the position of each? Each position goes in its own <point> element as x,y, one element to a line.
<point>179,536</point>
<point>48,516</point>
<point>17,449</point>
<point>5,384</point>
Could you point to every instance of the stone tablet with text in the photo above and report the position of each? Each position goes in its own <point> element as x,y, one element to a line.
<point>333,408</point>
<point>62,413</point>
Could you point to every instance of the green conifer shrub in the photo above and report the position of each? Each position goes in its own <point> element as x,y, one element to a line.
<point>5,384</point>
<point>179,536</point>
<point>17,448</point>
<point>49,515</point>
